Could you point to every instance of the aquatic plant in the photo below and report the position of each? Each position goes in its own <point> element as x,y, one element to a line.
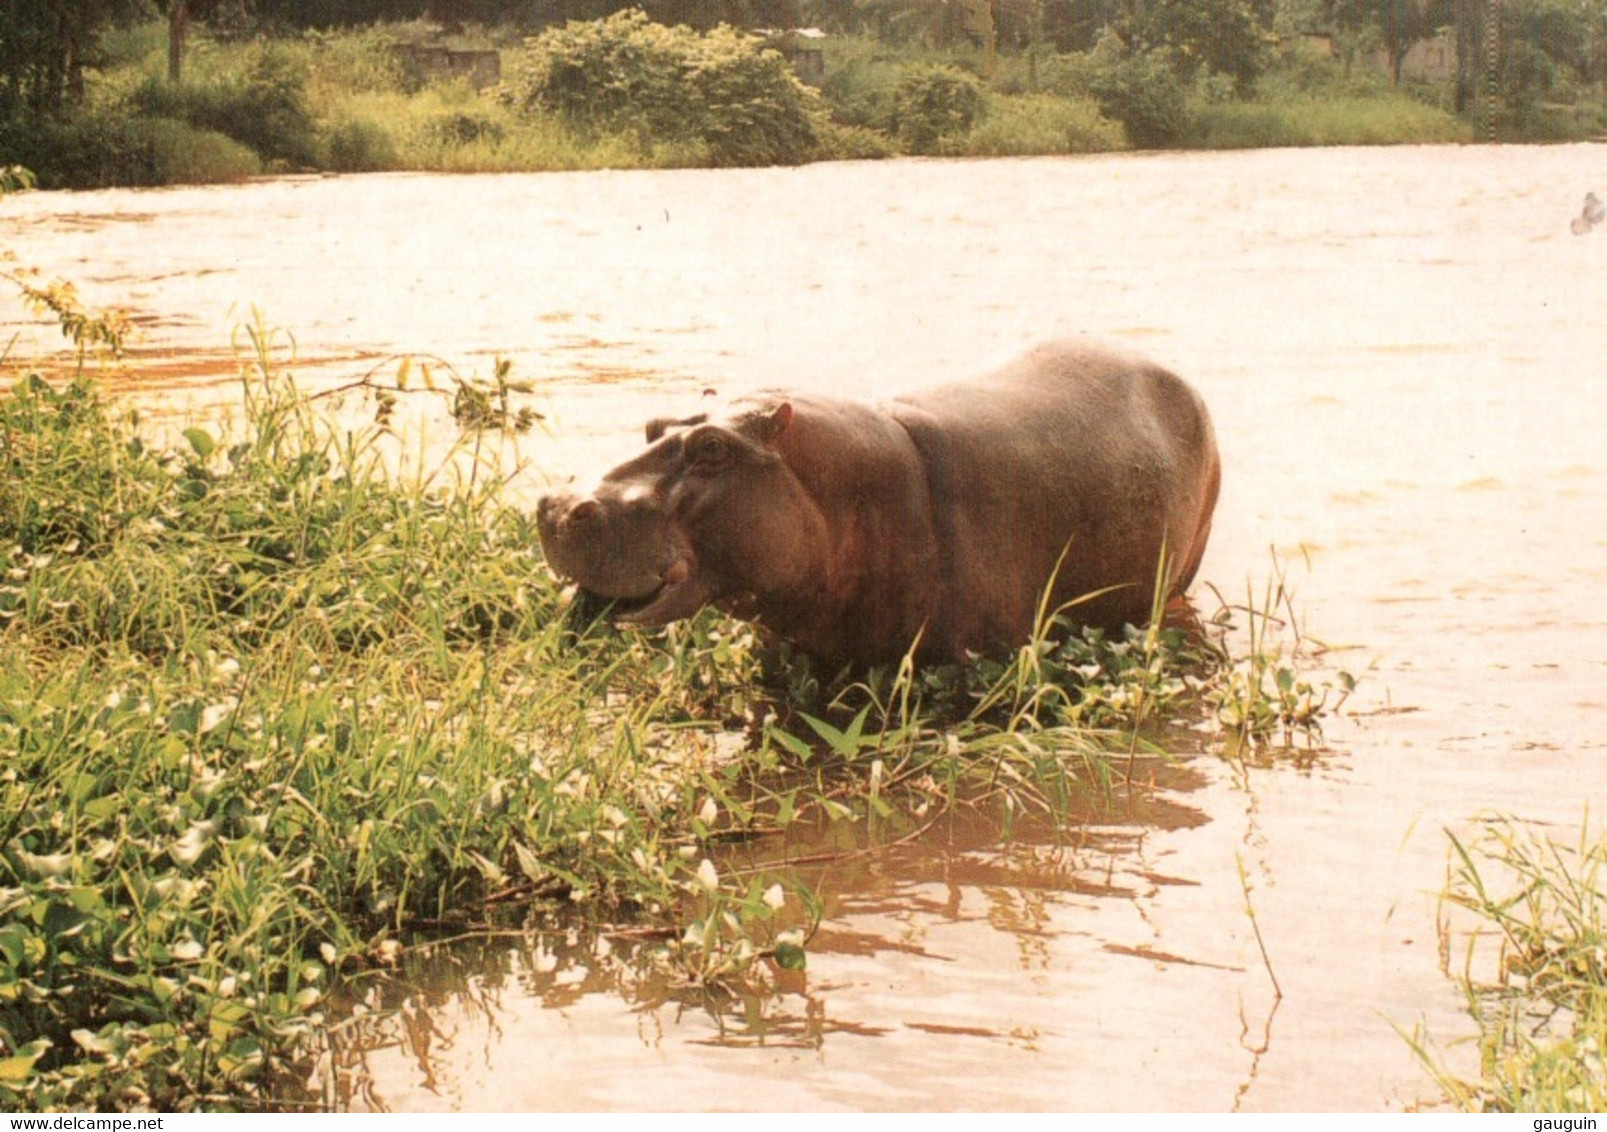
<point>1540,1000</point>
<point>1264,688</point>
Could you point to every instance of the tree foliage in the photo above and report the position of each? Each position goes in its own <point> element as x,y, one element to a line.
<point>45,46</point>
<point>1226,37</point>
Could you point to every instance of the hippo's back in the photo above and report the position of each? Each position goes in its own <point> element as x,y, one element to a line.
<point>1074,463</point>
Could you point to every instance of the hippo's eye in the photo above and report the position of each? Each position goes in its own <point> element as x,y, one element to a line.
<point>709,449</point>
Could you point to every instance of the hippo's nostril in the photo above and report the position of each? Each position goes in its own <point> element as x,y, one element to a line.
<point>583,512</point>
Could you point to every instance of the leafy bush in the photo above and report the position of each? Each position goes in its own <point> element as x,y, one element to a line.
<point>177,153</point>
<point>98,149</point>
<point>461,127</point>
<point>934,105</point>
<point>265,107</point>
<point>1042,124</point>
<point>860,81</point>
<point>853,143</point>
<point>629,76</point>
<point>1145,96</point>
<point>358,145</point>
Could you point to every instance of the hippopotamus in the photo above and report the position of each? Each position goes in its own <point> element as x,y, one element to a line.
<point>952,520</point>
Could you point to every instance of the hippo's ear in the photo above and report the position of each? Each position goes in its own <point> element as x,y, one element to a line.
<point>777,420</point>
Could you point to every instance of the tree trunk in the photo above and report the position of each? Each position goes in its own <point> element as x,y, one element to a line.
<point>178,19</point>
<point>1469,53</point>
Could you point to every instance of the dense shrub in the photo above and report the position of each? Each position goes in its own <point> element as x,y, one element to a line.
<point>462,127</point>
<point>629,76</point>
<point>936,104</point>
<point>102,149</point>
<point>1028,125</point>
<point>358,145</point>
<point>841,142</point>
<point>178,153</point>
<point>265,107</point>
<point>859,84</point>
<point>1145,96</point>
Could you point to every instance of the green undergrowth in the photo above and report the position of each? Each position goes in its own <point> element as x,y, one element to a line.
<point>1524,934</point>
<point>1383,118</point>
<point>272,711</point>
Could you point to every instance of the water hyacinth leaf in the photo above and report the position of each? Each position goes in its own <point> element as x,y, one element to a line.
<point>13,945</point>
<point>185,718</point>
<point>201,441</point>
<point>92,1042</point>
<point>16,1069</point>
<point>791,957</point>
<point>244,1053</point>
<point>225,1020</point>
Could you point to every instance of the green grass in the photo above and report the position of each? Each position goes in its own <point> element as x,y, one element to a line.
<point>1534,969</point>
<point>1324,119</point>
<point>273,710</point>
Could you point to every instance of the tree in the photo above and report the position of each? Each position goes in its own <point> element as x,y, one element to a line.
<point>1513,55</point>
<point>178,19</point>
<point>1228,37</point>
<point>179,15</point>
<point>44,47</point>
<point>1393,24</point>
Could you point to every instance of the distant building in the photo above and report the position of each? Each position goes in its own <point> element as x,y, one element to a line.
<point>802,49</point>
<point>482,68</point>
<point>1428,60</point>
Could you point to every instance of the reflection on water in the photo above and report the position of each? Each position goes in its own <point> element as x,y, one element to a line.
<point>503,1021</point>
<point>1402,350</point>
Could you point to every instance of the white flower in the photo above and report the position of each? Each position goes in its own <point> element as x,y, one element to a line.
<point>774,896</point>
<point>708,876</point>
<point>188,849</point>
<point>215,714</point>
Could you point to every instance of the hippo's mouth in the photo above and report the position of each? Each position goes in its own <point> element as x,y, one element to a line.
<point>678,594</point>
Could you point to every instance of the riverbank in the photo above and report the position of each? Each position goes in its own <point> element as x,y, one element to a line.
<point>359,101</point>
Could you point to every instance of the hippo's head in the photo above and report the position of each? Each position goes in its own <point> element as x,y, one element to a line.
<point>709,513</point>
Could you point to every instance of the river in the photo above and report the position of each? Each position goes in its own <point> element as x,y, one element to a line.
<point>1405,351</point>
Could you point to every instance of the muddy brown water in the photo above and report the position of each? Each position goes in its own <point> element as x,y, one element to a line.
<point>1406,354</point>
